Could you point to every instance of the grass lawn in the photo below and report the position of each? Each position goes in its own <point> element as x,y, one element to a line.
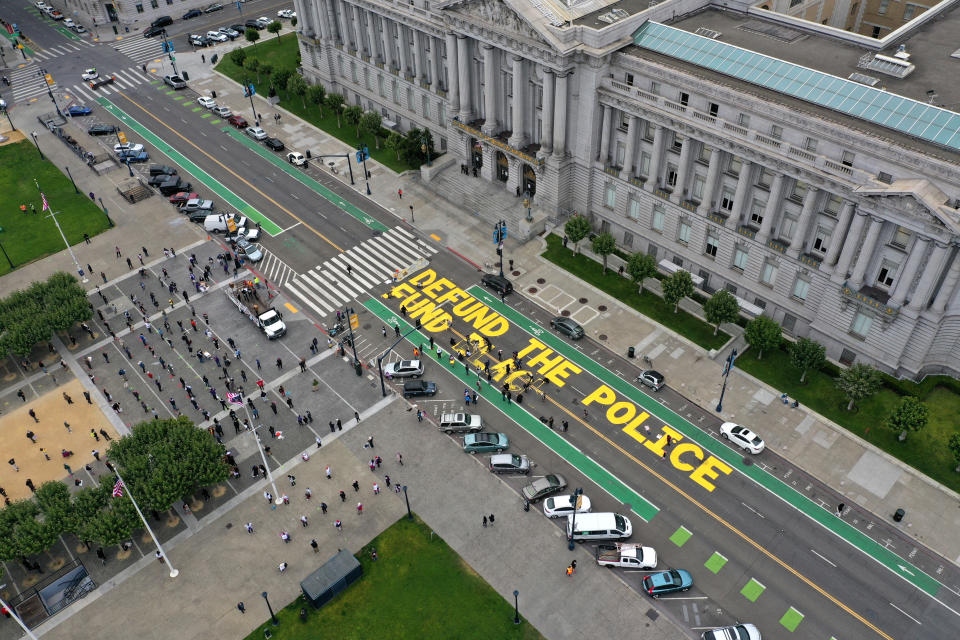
<point>647,303</point>
<point>32,236</point>
<point>418,588</point>
<point>283,54</point>
<point>925,451</point>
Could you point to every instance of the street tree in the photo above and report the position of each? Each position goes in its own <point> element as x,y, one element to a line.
<point>677,287</point>
<point>317,94</point>
<point>53,497</point>
<point>293,21</point>
<point>274,28</point>
<point>30,316</point>
<point>807,354</point>
<point>371,123</point>
<point>576,229</point>
<point>252,35</point>
<point>858,381</point>
<point>116,522</point>
<point>353,115</point>
<point>910,415</point>
<point>335,102</point>
<point>394,142</point>
<point>298,86</point>
<point>238,55</point>
<point>763,334</point>
<point>641,266</point>
<point>954,445</point>
<point>24,531</point>
<point>280,78</point>
<point>721,307</point>
<point>603,245</point>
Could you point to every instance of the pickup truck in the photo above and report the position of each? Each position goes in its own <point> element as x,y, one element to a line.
<point>628,555</point>
<point>244,295</point>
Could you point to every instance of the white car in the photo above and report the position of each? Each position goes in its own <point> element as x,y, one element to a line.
<point>80,28</point>
<point>286,13</point>
<point>403,369</point>
<point>90,74</point>
<point>297,158</point>
<point>250,235</point>
<point>69,23</point>
<point>263,21</point>
<point>562,506</point>
<point>230,33</point>
<point>223,112</point>
<point>742,437</point>
<point>256,133</point>
<point>204,101</point>
<point>218,36</point>
<point>41,5</point>
<point>736,632</point>
<point>128,146</point>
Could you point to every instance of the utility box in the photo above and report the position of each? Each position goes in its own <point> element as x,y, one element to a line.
<point>339,572</point>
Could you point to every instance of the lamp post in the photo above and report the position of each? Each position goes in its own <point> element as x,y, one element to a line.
<point>273,618</point>
<point>353,342</point>
<point>33,134</point>
<point>248,91</point>
<point>499,235</point>
<point>407,498</point>
<point>426,149</point>
<point>383,386</point>
<point>573,525</point>
<point>70,175</point>
<point>105,212</point>
<point>726,374</point>
<point>527,203</point>
<point>169,49</point>
<point>43,73</point>
<point>516,607</point>
<point>362,154</point>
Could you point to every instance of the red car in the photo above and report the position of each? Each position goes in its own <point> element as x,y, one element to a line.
<point>181,198</point>
<point>238,121</point>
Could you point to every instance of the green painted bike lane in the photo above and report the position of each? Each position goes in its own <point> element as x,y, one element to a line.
<point>898,565</point>
<point>199,174</point>
<point>304,179</point>
<point>597,473</point>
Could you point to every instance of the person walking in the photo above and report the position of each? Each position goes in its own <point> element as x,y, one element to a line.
<point>102,555</point>
<point>249,527</point>
<point>343,496</point>
<point>241,607</point>
<point>356,486</point>
<point>327,471</point>
<point>359,508</point>
<point>484,522</point>
<point>303,521</point>
<point>400,458</point>
<point>316,547</point>
<point>323,507</point>
<point>491,519</point>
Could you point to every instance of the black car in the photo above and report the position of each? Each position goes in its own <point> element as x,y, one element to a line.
<point>252,24</point>
<point>102,129</point>
<point>497,282</point>
<point>274,143</point>
<point>172,186</point>
<point>199,41</point>
<point>101,81</point>
<point>157,169</point>
<point>415,388</point>
<point>198,216</point>
<point>153,31</point>
<point>158,179</point>
<point>239,28</point>
<point>193,13</point>
<point>162,21</point>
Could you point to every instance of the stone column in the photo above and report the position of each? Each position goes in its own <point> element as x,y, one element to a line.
<point>713,170</point>
<point>386,41</point>
<point>935,265</point>
<point>771,208</point>
<point>404,50</point>
<point>803,225</point>
<point>849,245</point>
<point>490,126</point>
<point>915,256</point>
<point>332,28</point>
<point>740,195</point>
<point>836,239</point>
<point>435,63</point>
<point>656,157</point>
<point>605,134</point>
<point>357,29</point>
<point>683,170</point>
<point>464,60</point>
<point>343,8</point>
<point>421,71</point>
<point>518,138</point>
<point>372,36</point>
<point>453,79</point>
<point>946,292</point>
<point>631,149</point>
<point>560,117</point>
<point>867,248</point>
<point>546,128</point>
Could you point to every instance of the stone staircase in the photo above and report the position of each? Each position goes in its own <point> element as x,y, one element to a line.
<point>480,198</point>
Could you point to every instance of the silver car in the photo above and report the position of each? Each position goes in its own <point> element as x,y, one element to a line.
<point>404,369</point>
<point>249,251</point>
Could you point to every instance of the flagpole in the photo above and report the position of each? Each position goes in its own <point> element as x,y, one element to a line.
<point>17,618</point>
<point>263,455</point>
<point>57,222</point>
<point>173,572</point>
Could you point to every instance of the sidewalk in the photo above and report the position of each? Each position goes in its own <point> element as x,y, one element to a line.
<point>873,483</point>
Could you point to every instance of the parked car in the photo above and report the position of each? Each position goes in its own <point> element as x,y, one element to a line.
<point>238,121</point>
<point>415,388</point>
<point>69,23</point>
<point>182,197</point>
<point>251,235</point>
<point>249,250</point>
<point>274,143</point>
<point>156,169</point>
<point>162,21</point>
<point>652,379</point>
<point>562,506</point>
<point>133,156</point>
<point>230,32</point>
<point>543,487</point>
<point>217,36</point>
<point>403,369</point>
<point>102,129</point>
<point>252,24</point>
<point>263,21</point>
<point>175,81</point>
<point>220,222</point>
<point>198,216</point>
<point>204,101</point>
<point>256,133</point>
<point>198,204</point>
<point>742,437</point>
<point>568,327</point>
<point>174,185</point>
<point>509,463</point>
<point>193,13</point>
<point>239,28</point>
<point>485,442</point>
<point>460,423</point>
<point>735,632</point>
<point>216,6</point>
<point>223,112</point>
<point>285,13</point>
<point>158,179</point>
<point>497,282</point>
<point>127,146</point>
<point>198,40</point>
<point>670,581</point>
<point>297,158</point>
<point>79,28</point>
<point>90,74</point>
<point>152,31</point>
<point>79,110</point>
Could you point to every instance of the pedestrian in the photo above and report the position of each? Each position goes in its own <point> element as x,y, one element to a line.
<point>333,427</point>
<point>323,507</point>
<point>491,519</point>
<point>400,459</point>
<point>400,193</point>
<point>268,496</point>
<point>249,526</point>
<point>316,547</point>
<point>44,452</point>
<point>359,508</point>
<point>356,415</point>
<point>370,442</point>
<point>292,479</point>
<point>356,485</point>
<point>373,554</point>
<point>376,489</point>
<point>319,444</point>
<point>327,471</point>
<point>283,565</point>
<point>101,555</point>
<point>33,414</point>
<point>241,607</point>
<point>32,436</point>
<point>303,521</point>
<point>285,537</point>
<point>279,363</point>
<point>343,496</point>
<point>339,526</point>
<point>484,522</point>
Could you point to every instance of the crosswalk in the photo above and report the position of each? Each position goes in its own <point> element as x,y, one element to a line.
<point>74,48</point>
<point>28,83</point>
<point>140,50</point>
<point>346,277</point>
<point>274,270</point>
<point>123,79</point>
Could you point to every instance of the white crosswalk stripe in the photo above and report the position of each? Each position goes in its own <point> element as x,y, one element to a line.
<point>124,79</point>
<point>275,270</point>
<point>354,272</point>
<point>27,83</point>
<point>140,50</point>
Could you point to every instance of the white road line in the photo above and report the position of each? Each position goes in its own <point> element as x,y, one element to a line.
<point>373,260</point>
<point>355,272</point>
<point>905,613</point>
<point>345,281</point>
<point>822,558</point>
<point>378,270</point>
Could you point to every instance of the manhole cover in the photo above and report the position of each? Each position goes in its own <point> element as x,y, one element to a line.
<point>541,281</point>
<point>565,312</point>
<point>516,273</point>
<point>582,301</point>
<point>602,307</point>
<point>532,290</point>
<point>229,525</point>
<point>602,336</point>
<point>748,461</point>
<point>365,327</point>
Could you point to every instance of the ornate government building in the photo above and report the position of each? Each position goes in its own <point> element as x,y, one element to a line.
<point>811,171</point>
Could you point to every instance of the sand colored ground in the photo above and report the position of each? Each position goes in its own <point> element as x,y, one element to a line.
<point>52,410</point>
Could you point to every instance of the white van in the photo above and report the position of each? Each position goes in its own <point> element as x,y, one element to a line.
<point>217,222</point>
<point>598,526</point>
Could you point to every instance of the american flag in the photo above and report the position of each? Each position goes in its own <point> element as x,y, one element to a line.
<point>235,398</point>
<point>118,489</point>
<point>45,205</point>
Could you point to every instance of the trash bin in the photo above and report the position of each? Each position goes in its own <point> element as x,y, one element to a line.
<point>898,515</point>
<point>308,154</point>
<point>185,75</point>
<point>213,94</point>
<point>631,351</point>
<point>358,367</point>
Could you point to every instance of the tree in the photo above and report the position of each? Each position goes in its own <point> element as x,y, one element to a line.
<point>677,287</point>
<point>293,21</point>
<point>762,334</point>
<point>274,28</point>
<point>641,266</point>
<point>253,65</point>
<point>280,78</point>
<point>353,114</point>
<point>721,307</point>
<point>858,381</point>
<point>954,445</point>
<point>298,86</point>
<point>909,415</point>
<point>238,55</point>
<point>806,354</point>
<point>370,124</point>
<point>30,316</point>
<point>24,531</point>
<point>252,35</point>
<point>576,229</point>
<point>317,94</point>
<point>394,142</point>
<point>165,461</point>
<point>335,102</point>
<point>54,500</point>
<point>603,245</point>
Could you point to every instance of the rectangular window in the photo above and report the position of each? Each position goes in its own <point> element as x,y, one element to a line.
<point>789,323</point>
<point>648,131</point>
<point>887,272</point>
<point>628,78</point>
<point>627,240</point>
<point>704,154</point>
<point>800,289</point>
<point>765,179</point>
<point>809,144</point>
<point>671,175</point>
<point>909,11</point>
<point>822,241</point>
<point>726,200</point>
<point>621,152</point>
<point>713,244</point>
<point>756,212</point>
<point>882,9</point>
<point>409,99</point>
<point>381,87</point>
<point>734,166</point>
<point>656,222</point>
<point>740,259</point>
<point>697,192</point>
<point>861,324</point>
<point>340,65</point>
<point>768,275</point>
<point>633,209</point>
<point>832,205</point>
<point>684,98</point>
<point>683,233</point>
<point>624,123</point>
<point>610,196</point>
<point>846,158</point>
<point>678,142</point>
<point>655,88</point>
<point>901,238</point>
<point>605,226</point>
<point>425,106</point>
<point>744,120</point>
<point>442,112</point>
<point>353,71</point>
<point>644,169</point>
<point>799,191</point>
<point>366,78</point>
<point>714,109</point>
<point>787,227</point>
<point>651,250</point>
<point>776,131</point>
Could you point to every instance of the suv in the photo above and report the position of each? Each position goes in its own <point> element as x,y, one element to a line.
<point>172,186</point>
<point>162,21</point>
<point>419,388</point>
<point>157,169</point>
<point>497,282</point>
<point>102,129</point>
<point>568,327</point>
<point>509,463</point>
<point>175,81</point>
<point>404,369</point>
<point>460,423</point>
<point>152,31</point>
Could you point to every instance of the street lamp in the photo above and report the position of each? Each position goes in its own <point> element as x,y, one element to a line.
<point>383,386</point>
<point>573,525</point>
<point>407,498</point>
<point>273,618</point>
<point>33,134</point>
<point>516,607</point>
<point>726,374</point>
<point>69,175</point>
<point>353,343</point>
<point>362,154</point>
<point>527,203</point>
<point>105,212</point>
<point>426,149</point>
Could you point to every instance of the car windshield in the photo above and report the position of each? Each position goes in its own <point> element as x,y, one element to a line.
<point>515,460</point>
<point>621,522</point>
<point>674,578</point>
